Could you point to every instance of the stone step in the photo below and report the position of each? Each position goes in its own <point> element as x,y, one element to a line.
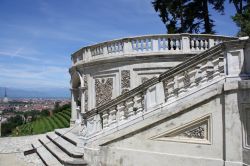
<point>60,154</point>
<point>67,135</point>
<point>47,158</point>
<point>66,146</point>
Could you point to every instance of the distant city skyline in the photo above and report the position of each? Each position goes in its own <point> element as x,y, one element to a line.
<point>37,37</point>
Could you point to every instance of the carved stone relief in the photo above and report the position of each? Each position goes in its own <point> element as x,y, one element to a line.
<point>103,90</point>
<point>197,132</point>
<point>186,80</point>
<point>125,80</point>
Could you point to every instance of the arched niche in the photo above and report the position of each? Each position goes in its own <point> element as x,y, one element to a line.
<point>76,85</point>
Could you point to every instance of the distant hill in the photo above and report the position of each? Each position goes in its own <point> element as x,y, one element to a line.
<point>45,124</point>
<point>40,93</point>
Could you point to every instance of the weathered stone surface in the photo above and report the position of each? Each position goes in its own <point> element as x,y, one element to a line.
<point>12,149</point>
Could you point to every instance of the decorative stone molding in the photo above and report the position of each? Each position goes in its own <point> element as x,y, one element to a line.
<point>103,90</point>
<point>125,81</point>
<point>197,131</point>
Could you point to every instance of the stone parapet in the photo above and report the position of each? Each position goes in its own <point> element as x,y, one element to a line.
<point>148,45</point>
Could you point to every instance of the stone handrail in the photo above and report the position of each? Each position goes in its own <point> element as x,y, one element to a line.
<point>165,43</point>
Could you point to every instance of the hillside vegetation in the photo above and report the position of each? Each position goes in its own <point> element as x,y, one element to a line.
<point>60,119</point>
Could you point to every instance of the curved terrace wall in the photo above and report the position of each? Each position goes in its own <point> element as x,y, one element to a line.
<point>103,71</point>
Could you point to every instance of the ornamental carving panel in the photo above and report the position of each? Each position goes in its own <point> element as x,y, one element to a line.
<point>103,90</point>
<point>194,132</point>
<point>198,132</point>
<point>186,80</point>
<point>125,80</point>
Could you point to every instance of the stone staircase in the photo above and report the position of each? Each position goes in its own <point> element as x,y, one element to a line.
<point>60,148</point>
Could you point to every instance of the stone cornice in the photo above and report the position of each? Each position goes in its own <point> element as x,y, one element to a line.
<point>138,58</point>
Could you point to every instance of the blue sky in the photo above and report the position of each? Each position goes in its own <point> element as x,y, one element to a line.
<point>38,36</point>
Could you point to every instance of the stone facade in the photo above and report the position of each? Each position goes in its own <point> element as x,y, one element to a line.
<point>182,99</point>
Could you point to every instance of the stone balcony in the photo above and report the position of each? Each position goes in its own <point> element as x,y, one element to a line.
<point>148,45</point>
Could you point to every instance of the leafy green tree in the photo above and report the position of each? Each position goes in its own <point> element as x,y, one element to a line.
<point>188,15</point>
<point>242,16</point>
<point>172,14</point>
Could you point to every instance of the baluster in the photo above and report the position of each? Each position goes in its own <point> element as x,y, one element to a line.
<point>192,44</point>
<point>122,46</point>
<point>138,104</point>
<point>205,44</point>
<point>177,44</point>
<point>118,47</point>
<point>133,45</point>
<point>165,44</point>
<point>210,70</point>
<point>138,45</point>
<point>112,115</point>
<point>160,44</point>
<point>198,74</point>
<point>192,78</point>
<point>101,50</point>
<point>171,44</point>
<point>121,111</point>
<point>204,73</point>
<point>105,119</point>
<point>108,47</point>
<point>144,44</point>
<point>130,108</point>
<point>181,88</point>
<point>196,44</point>
<point>170,89</point>
<point>98,125</point>
<point>216,67</point>
<point>150,45</point>
<point>202,45</point>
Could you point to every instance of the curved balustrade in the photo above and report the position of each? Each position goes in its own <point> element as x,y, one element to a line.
<point>153,44</point>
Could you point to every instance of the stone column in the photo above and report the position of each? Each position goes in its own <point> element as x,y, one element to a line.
<point>73,106</point>
<point>83,91</point>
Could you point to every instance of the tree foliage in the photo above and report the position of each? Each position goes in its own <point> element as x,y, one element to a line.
<point>188,15</point>
<point>242,16</point>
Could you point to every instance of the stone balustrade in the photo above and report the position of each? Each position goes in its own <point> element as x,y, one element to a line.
<point>192,75</point>
<point>151,44</point>
<point>121,109</point>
